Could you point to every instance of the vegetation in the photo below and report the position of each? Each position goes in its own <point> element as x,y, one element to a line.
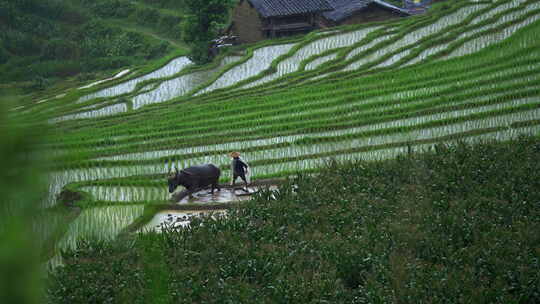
<point>43,43</point>
<point>454,224</point>
<point>22,186</point>
<point>203,23</point>
<point>467,71</point>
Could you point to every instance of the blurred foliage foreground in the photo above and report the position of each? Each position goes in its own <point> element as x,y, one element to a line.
<point>21,188</point>
<point>456,224</point>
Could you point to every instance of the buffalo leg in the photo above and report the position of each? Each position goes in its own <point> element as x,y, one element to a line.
<point>215,185</point>
<point>192,189</point>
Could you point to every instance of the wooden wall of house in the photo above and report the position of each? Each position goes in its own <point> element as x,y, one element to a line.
<point>247,23</point>
<point>372,13</point>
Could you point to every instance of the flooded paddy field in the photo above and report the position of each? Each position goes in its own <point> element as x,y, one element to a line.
<point>170,219</point>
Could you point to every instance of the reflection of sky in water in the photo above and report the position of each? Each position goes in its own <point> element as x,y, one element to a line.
<point>177,218</point>
<point>261,60</point>
<point>292,63</point>
<point>168,70</point>
<point>179,86</point>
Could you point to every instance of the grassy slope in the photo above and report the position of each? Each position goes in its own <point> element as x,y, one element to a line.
<point>458,224</point>
<point>23,91</point>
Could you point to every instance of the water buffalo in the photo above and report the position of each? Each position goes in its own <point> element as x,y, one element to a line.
<point>195,178</point>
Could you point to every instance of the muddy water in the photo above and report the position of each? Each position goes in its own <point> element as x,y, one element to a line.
<point>223,196</point>
<point>178,218</point>
<point>226,195</point>
<point>181,218</point>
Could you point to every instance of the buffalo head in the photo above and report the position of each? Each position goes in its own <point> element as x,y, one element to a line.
<point>177,179</point>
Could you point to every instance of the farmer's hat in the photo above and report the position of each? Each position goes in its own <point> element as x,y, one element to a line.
<point>235,154</point>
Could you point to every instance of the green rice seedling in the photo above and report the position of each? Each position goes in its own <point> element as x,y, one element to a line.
<point>103,223</point>
<point>173,67</point>
<point>477,44</point>
<point>412,38</point>
<point>261,60</point>
<point>221,149</point>
<point>508,21</point>
<point>127,194</point>
<point>312,65</point>
<point>179,86</point>
<point>110,110</point>
<point>292,63</point>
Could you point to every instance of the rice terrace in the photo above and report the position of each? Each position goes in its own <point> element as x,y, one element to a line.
<point>395,160</point>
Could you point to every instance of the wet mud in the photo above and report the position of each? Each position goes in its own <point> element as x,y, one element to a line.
<point>171,219</point>
<point>228,194</point>
<point>204,203</point>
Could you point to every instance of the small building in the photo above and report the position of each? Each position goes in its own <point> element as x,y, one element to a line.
<point>255,20</point>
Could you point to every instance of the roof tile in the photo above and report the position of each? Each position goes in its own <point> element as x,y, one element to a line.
<point>275,8</point>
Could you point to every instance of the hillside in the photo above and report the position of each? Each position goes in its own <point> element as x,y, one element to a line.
<point>377,93</point>
<point>50,45</point>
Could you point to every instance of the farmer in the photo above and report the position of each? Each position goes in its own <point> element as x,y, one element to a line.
<point>239,169</point>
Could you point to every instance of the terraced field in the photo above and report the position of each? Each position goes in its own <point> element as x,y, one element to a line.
<point>468,70</point>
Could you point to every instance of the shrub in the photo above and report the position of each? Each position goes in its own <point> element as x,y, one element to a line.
<point>60,49</point>
<point>38,27</point>
<point>170,25</point>
<point>95,28</point>
<point>199,52</point>
<point>86,76</point>
<point>7,13</point>
<point>113,8</point>
<point>21,43</point>
<point>56,68</point>
<point>95,48</point>
<point>125,44</point>
<point>39,83</point>
<point>4,55</point>
<point>106,63</point>
<point>146,16</point>
<point>157,50</point>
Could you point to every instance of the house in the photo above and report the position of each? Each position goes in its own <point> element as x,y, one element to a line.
<point>255,20</point>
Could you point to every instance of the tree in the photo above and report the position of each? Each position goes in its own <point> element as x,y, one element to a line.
<point>202,25</point>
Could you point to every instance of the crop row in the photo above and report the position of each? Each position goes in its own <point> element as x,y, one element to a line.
<point>376,136</point>
<point>368,126</point>
<point>377,149</point>
<point>290,104</point>
<point>365,113</point>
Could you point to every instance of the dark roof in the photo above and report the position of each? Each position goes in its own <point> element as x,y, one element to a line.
<point>343,9</point>
<point>276,8</point>
<point>391,7</point>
